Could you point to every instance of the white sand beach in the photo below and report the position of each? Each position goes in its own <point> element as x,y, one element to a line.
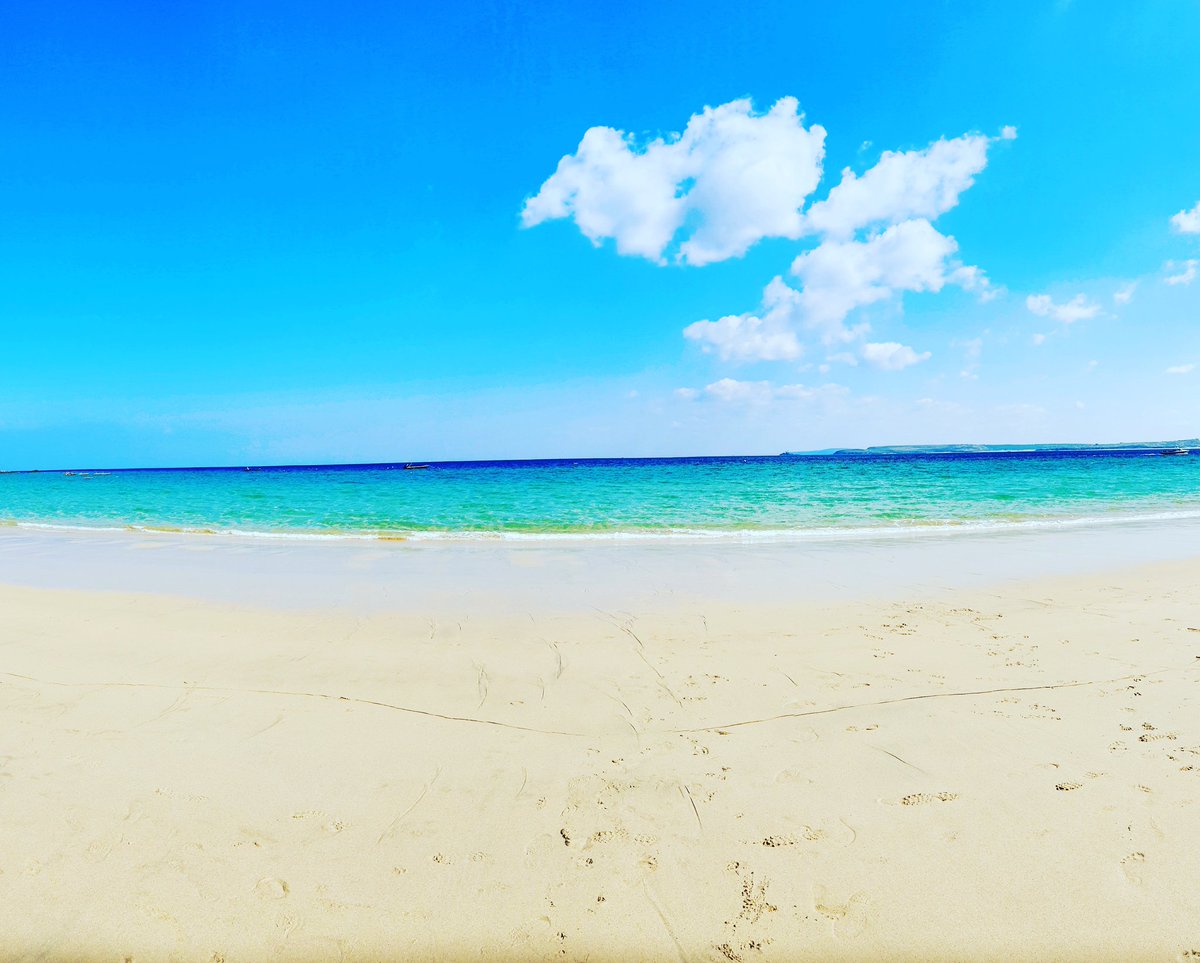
<point>521,754</point>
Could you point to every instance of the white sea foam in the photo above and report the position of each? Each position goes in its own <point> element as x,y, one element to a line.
<point>924,529</point>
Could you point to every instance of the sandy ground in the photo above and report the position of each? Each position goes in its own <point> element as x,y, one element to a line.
<point>1005,772</point>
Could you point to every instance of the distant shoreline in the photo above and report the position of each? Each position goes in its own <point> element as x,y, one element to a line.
<point>949,449</point>
<point>1047,449</point>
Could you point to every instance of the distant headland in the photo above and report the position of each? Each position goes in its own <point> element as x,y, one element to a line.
<point>1180,445</point>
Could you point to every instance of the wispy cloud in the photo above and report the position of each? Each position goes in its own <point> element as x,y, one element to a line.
<point>1125,295</point>
<point>1186,271</point>
<point>892,356</point>
<point>1077,309</point>
<point>732,391</point>
<point>1187,222</point>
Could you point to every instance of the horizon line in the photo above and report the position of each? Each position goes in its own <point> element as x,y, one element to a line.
<point>964,448</point>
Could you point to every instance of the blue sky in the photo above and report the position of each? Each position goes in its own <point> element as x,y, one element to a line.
<point>294,233</point>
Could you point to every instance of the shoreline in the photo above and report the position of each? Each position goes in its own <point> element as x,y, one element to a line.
<point>909,529</point>
<point>499,576</point>
<point>708,764</point>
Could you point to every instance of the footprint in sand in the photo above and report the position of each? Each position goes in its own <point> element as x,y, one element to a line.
<point>744,932</point>
<point>607,835</point>
<point>923,798</point>
<point>271,888</point>
<point>1131,866</point>
<point>806,834</point>
<point>848,916</point>
<point>332,826</point>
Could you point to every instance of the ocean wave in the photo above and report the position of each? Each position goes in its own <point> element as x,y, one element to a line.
<point>915,528</point>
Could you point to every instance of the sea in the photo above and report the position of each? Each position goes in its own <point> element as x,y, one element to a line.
<point>825,496</point>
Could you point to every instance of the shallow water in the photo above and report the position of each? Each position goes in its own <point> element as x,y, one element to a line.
<point>771,497</point>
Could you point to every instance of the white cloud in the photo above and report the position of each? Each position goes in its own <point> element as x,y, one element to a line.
<point>734,177</point>
<point>1077,309</point>
<point>749,337</point>
<point>891,355</point>
<point>1185,276</point>
<point>740,392</point>
<point>1181,369</point>
<point>1039,339</point>
<point>839,276</point>
<point>803,393</point>
<point>969,277</point>
<point>737,176</point>
<point>732,391</point>
<point>1187,222</point>
<point>902,185</point>
<point>613,191</point>
<point>1125,295</point>
<point>1008,132</point>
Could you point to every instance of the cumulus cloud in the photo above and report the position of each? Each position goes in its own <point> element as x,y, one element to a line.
<point>1077,309</point>
<point>902,252</point>
<point>732,178</point>
<point>839,276</point>
<point>1125,295</point>
<point>1181,369</point>
<point>891,355</point>
<point>836,278</point>
<point>902,185</point>
<point>753,337</point>
<point>1187,222</point>
<point>1186,269</point>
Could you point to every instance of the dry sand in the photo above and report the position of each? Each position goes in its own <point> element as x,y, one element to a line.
<point>996,773</point>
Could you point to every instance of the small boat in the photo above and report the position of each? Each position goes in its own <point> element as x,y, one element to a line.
<point>415,467</point>
<point>1176,451</point>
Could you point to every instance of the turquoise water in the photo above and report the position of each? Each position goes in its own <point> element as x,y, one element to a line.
<point>814,496</point>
